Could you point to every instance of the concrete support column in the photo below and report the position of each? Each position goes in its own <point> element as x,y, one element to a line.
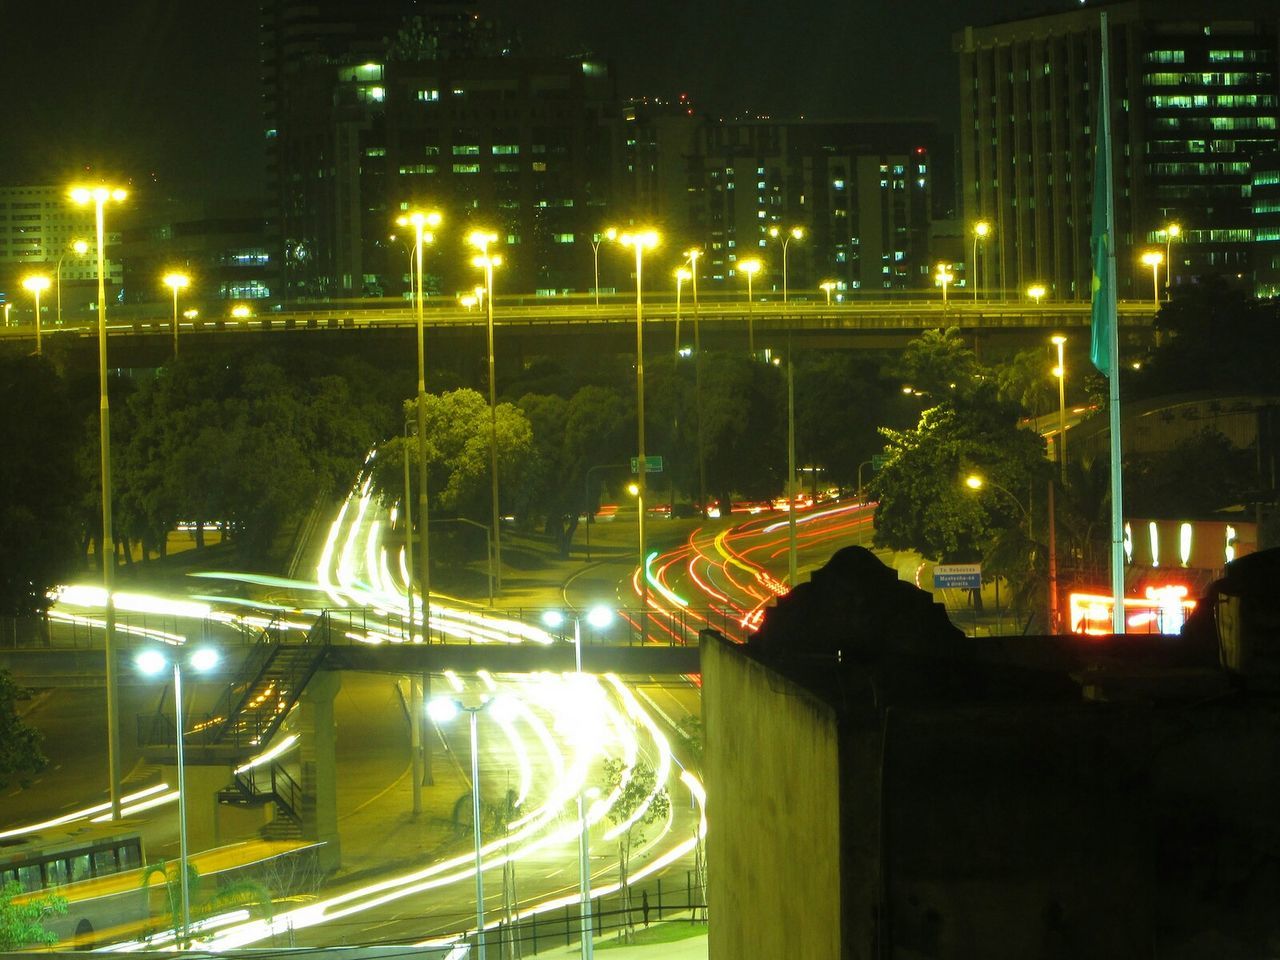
<point>317,730</point>
<point>202,783</point>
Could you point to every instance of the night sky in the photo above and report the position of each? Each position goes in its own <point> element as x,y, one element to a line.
<point>168,89</point>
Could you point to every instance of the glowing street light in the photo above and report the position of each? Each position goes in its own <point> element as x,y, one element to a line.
<point>36,284</point>
<point>100,196</point>
<point>1171,232</point>
<point>176,281</point>
<point>1036,292</point>
<point>79,248</point>
<point>444,710</point>
<point>640,241</point>
<point>152,662</point>
<point>598,617</point>
<point>942,277</point>
<point>1153,259</point>
<point>750,268</point>
<point>422,221</point>
<point>980,231</point>
<point>480,240</point>
<point>826,286</point>
<point>795,233</point>
<point>609,233</point>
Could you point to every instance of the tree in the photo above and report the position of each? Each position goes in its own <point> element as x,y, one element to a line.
<point>939,363</point>
<point>924,504</point>
<point>223,896</point>
<point>743,427</point>
<point>40,484</point>
<point>640,802</point>
<point>22,918</point>
<point>19,742</point>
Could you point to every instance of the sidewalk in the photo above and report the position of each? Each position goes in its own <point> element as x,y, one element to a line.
<point>688,948</point>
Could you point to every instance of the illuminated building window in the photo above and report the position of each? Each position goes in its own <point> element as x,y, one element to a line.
<point>837,184</point>
<point>562,237</point>
<point>417,168</point>
<point>375,151</point>
<point>506,168</point>
<point>505,149</point>
<point>1166,56</point>
<point>539,166</point>
<point>429,96</point>
<point>466,168</point>
<point>466,150</point>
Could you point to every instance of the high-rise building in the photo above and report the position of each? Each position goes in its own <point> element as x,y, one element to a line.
<point>861,191</point>
<point>1194,87</point>
<point>376,108</point>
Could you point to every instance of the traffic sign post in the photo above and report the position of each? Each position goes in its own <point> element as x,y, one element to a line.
<point>965,576</point>
<point>877,462</point>
<point>652,464</point>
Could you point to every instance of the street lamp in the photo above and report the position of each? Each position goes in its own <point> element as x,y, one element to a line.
<point>480,240</point>
<point>942,277</point>
<point>152,662</point>
<point>176,281</point>
<point>1153,259</point>
<point>1170,232</point>
<point>826,286</point>
<point>443,710</point>
<point>598,617</point>
<point>609,233</point>
<point>980,231</point>
<point>99,196</point>
<point>1060,371</point>
<point>750,268</point>
<point>1036,292</point>
<point>640,241</point>
<point>36,284</point>
<point>795,233</point>
<point>976,482</point>
<point>692,256</point>
<point>420,220</point>
<point>79,248</point>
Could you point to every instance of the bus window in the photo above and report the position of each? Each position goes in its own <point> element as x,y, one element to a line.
<point>104,863</point>
<point>29,877</point>
<point>80,869</point>
<point>56,873</point>
<point>130,853</point>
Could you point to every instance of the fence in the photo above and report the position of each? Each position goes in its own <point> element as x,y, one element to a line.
<point>559,928</point>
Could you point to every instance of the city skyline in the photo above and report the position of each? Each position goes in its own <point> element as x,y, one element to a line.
<point>171,93</point>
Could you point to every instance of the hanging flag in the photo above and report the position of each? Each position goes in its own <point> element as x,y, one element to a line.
<point>1103,292</point>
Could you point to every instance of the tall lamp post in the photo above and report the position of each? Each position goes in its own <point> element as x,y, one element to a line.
<point>942,277</point>
<point>1171,232</point>
<point>750,268</point>
<point>609,233</point>
<point>36,284</point>
<point>99,196</point>
<point>980,231</point>
<point>640,241</point>
<point>79,248</point>
<point>420,220</point>
<point>1036,292</point>
<point>176,281</point>
<point>480,240</point>
<point>152,662</point>
<point>826,286</point>
<point>692,256</point>
<point>975,482</point>
<point>1060,371</point>
<point>1153,259</point>
<point>795,233</point>
<point>443,710</point>
<point>598,617</point>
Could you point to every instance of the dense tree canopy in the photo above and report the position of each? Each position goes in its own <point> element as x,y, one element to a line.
<point>40,484</point>
<point>20,754</point>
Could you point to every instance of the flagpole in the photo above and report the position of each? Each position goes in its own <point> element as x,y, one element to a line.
<point>1113,334</point>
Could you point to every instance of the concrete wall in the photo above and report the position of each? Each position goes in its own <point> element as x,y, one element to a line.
<point>772,784</point>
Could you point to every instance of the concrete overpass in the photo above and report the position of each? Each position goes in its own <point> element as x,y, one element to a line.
<point>528,326</point>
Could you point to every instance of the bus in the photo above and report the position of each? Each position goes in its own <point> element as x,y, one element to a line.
<point>96,868</point>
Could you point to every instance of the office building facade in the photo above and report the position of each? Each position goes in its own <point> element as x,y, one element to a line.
<point>1194,102</point>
